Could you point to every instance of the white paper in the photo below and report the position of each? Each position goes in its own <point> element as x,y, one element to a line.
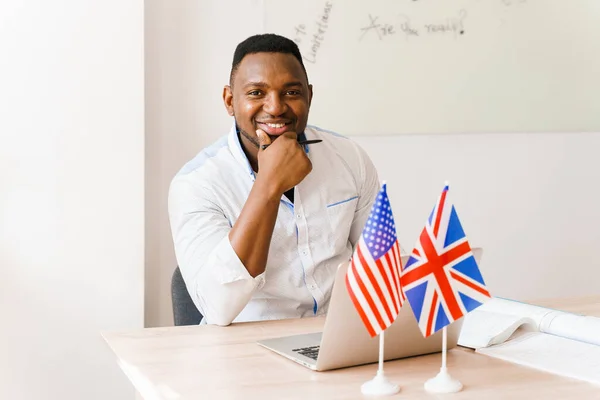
<point>485,328</point>
<point>552,354</point>
<point>577,327</point>
<point>516,308</point>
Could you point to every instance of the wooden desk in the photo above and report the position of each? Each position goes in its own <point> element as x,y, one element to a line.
<point>210,362</point>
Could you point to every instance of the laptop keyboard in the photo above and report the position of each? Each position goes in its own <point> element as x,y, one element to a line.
<point>310,352</point>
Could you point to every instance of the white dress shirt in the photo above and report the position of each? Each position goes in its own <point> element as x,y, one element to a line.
<point>311,237</point>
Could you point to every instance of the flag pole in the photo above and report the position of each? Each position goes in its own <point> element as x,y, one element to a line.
<point>444,348</point>
<point>379,385</point>
<point>380,294</point>
<point>381,343</point>
<point>443,382</point>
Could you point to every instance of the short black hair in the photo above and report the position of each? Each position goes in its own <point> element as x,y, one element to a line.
<point>264,43</point>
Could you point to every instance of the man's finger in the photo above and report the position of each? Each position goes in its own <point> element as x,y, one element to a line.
<point>291,135</point>
<point>263,139</point>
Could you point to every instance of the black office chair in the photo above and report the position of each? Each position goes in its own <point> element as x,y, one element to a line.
<point>184,309</point>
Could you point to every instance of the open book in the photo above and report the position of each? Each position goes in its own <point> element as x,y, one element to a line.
<point>496,320</point>
<point>554,341</point>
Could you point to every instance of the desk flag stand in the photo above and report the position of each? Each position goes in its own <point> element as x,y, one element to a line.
<point>443,382</point>
<point>379,385</point>
<point>376,260</point>
<point>443,247</point>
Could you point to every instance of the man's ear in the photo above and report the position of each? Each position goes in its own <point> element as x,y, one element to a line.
<point>228,99</point>
<point>310,94</point>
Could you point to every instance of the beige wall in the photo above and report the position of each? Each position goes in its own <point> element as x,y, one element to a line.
<point>528,199</point>
<point>71,194</point>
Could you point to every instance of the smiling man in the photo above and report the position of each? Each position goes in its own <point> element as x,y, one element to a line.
<point>259,233</point>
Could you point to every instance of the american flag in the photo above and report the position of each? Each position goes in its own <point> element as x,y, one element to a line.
<point>373,277</point>
<point>441,278</point>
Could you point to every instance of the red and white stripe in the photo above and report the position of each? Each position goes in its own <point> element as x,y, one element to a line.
<point>374,287</point>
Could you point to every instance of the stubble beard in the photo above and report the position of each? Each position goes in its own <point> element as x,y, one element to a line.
<point>251,139</point>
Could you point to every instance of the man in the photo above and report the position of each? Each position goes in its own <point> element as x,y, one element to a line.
<point>259,233</point>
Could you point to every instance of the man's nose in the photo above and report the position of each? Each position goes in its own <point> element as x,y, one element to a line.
<point>274,104</point>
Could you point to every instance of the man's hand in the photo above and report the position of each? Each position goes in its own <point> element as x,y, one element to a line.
<point>283,164</point>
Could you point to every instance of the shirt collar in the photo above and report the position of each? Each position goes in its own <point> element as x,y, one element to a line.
<point>237,150</point>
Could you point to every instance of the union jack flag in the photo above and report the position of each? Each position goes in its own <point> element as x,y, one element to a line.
<point>441,278</point>
<point>373,277</point>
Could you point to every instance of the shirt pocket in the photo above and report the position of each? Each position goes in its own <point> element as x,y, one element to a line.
<point>341,214</point>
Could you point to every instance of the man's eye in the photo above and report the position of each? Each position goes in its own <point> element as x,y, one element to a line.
<point>293,92</point>
<point>254,93</point>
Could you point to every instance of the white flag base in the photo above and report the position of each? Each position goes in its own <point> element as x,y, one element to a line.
<point>379,386</point>
<point>443,383</point>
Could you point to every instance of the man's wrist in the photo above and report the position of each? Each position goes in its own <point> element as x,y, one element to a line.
<point>268,189</point>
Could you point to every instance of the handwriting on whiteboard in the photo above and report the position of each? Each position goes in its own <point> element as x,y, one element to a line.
<point>311,38</point>
<point>382,28</point>
<point>311,34</point>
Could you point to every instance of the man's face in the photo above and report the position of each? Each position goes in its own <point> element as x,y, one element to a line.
<point>269,91</point>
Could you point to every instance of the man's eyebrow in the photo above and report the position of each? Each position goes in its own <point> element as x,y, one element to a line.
<point>255,84</point>
<point>293,83</point>
<point>263,84</point>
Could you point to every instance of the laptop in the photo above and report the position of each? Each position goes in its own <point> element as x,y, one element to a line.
<point>345,342</point>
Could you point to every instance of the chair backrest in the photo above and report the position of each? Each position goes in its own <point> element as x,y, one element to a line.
<point>184,309</point>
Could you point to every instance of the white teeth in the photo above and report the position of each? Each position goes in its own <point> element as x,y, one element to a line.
<point>276,125</point>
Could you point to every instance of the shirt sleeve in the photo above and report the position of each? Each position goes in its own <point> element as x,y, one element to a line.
<point>218,282</point>
<point>368,189</point>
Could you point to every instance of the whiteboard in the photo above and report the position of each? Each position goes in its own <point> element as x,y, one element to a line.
<point>382,67</point>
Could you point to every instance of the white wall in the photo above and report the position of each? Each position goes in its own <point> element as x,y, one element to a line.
<point>528,199</point>
<point>71,194</point>
<point>180,116</point>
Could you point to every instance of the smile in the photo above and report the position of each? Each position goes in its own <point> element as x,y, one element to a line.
<point>274,128</point>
